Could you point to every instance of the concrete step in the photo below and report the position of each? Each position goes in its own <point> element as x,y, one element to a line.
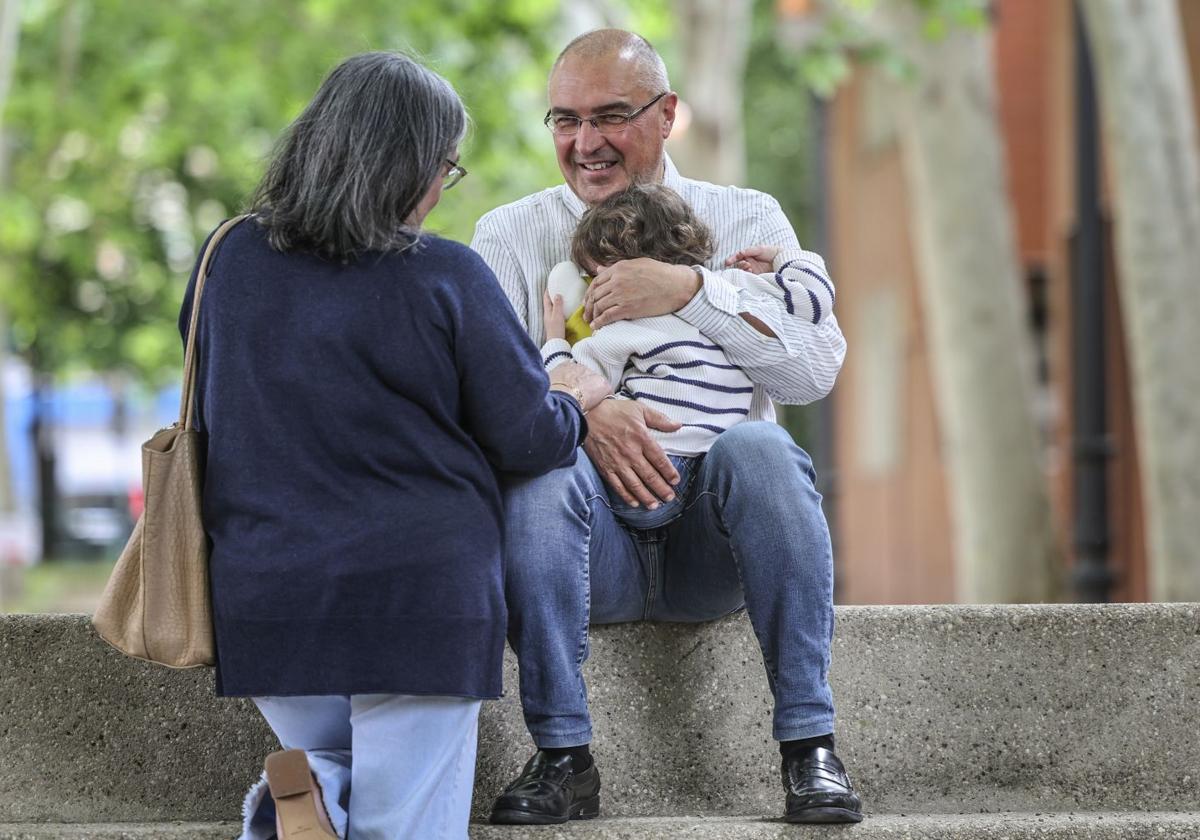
<point>945,709</point>
<point>1009,826</point>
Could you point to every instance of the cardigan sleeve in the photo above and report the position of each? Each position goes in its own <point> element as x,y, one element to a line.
<point>522,426</point>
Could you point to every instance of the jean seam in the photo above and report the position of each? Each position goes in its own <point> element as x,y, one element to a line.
<point>652,583</point>
<point>587,597</point>
<point>603,497</point>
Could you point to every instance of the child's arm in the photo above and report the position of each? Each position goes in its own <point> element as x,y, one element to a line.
<point>601,355</point>
<point>757,259</point>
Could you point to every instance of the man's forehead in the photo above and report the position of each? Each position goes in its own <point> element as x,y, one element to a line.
<point>585,82</point>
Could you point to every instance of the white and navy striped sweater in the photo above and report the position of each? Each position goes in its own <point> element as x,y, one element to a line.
<point>523,240</point>
<point>671,366</point>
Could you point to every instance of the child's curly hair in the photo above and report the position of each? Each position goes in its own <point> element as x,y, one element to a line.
<point>646,220</point>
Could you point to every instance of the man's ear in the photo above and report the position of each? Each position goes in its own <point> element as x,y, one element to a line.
<point>670,102</point>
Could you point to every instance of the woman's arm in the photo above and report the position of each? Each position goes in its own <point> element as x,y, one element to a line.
<point>522,426</point>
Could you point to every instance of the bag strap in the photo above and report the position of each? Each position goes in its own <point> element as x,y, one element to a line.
<point>188,398</point>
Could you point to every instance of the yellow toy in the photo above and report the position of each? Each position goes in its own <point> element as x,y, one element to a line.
<point>567,280</point>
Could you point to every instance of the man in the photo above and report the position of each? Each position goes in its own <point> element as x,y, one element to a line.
<point>753,533</point>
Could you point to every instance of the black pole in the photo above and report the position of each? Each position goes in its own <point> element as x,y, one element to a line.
<point>1091,576</point>
<point>42,435</point>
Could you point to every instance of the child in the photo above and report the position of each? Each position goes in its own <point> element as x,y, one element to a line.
<point>665,361</point>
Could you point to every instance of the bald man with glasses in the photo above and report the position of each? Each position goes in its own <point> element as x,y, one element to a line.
<point>753,534</point>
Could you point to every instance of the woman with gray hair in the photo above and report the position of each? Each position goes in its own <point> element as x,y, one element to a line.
<point>361,385</point>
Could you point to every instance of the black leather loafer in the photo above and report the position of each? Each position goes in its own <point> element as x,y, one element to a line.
<point>548,791</point>
<point>818,789</point>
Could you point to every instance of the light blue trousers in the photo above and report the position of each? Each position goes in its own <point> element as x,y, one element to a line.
<point>389,765</point>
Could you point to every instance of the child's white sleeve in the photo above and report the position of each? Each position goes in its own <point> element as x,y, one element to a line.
<point>604,357</point>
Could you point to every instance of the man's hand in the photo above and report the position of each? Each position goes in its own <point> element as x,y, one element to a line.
<point>625,455</point>
<point>638,288</point>
<point>553,316</point>
<point>757,259</point>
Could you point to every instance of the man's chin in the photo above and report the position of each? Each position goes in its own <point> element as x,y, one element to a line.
<point>594,193</point>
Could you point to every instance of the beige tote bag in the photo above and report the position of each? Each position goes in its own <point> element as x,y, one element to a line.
<point>157,605</point>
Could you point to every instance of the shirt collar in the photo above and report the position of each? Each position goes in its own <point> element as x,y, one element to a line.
<point>576,207</point>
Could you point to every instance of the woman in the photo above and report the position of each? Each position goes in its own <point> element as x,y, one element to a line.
<point>360,383</point>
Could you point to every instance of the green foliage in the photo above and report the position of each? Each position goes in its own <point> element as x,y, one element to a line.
<point>847,35</point>
<point>133,129</point>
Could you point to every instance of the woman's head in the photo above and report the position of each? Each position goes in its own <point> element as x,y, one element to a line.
<point>362,165</point>
<point>646,220</point>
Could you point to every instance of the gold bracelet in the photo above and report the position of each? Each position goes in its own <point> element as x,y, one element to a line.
<point>571,390</point>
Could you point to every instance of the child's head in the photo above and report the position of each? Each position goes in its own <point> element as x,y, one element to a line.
<point>646,220</point>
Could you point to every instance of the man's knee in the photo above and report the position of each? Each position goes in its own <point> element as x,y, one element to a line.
<point>760,449</point>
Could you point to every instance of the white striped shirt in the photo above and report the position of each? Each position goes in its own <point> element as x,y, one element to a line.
<point>523,240</point>
<point>671,366</point>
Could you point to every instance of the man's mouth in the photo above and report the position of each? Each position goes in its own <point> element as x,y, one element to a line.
<point>598,166</point>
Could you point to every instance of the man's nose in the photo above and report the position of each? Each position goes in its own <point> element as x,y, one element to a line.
<point>589,139</point>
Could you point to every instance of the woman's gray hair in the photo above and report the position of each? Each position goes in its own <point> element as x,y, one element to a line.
<point>347,174</point>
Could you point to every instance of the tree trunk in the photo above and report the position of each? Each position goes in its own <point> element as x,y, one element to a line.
<point>1006,550</point>
<point>10,27</point>
<point>714,36</point>
<point>1150,135</point>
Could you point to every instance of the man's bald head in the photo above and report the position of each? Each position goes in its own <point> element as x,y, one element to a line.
<point>617,44</point>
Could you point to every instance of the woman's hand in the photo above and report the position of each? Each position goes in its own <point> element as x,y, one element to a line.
<point>553,316</point>
<point>757,259</point>
<point>583,383</point>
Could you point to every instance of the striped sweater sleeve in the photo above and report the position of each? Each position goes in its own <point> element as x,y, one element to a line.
<point>797,279</point>
<point>604,356</point>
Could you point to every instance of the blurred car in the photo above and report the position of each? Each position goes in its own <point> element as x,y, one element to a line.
<point>99,491</point>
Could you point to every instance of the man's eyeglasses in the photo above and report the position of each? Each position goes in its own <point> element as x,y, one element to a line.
<point>565,125</point>
<point>453,174</point>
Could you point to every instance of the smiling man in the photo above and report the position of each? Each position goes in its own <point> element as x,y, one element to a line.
<point>752,535</point>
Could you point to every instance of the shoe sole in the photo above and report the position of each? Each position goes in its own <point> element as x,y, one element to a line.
<point>290,781</point>
<point>824,815</point>
<point>584,809</point>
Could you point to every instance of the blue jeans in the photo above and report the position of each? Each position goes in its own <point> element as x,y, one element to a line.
<point>643,518</point>
<point>752,533</point>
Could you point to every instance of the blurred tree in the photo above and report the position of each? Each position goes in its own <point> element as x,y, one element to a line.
<point>1151,138</point>
<point>133,132</point>
<point>946,113</point>
<point>713,36</point>
<point>970,282</point>
<point>10,30</point>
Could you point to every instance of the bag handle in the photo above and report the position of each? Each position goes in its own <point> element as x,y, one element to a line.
<point>188,397</point>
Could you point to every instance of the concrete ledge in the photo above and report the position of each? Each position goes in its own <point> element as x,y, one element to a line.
<point>942,710</point>
<point>1010,826</point>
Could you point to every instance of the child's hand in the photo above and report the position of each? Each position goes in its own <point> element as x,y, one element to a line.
<point>757,259</point>
<point>553,316</point>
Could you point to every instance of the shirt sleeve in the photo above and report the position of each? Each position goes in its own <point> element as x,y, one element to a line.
<point>594,352</point>
<point>800,363</point>
<point>522,427</point>
<point>497,253</point>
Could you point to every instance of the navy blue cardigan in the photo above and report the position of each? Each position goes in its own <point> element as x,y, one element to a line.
<point>355,418</point>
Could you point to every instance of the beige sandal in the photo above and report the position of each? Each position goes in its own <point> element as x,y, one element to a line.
<point>300,815</point>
